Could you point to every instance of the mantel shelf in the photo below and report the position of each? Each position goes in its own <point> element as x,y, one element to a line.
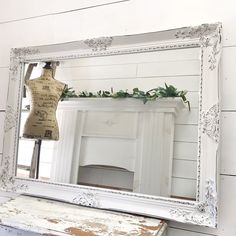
<point>170,105</point>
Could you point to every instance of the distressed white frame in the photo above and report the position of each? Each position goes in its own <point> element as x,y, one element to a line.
<point>203,211</point>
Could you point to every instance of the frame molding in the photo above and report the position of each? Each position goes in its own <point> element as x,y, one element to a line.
<point>202,212</point>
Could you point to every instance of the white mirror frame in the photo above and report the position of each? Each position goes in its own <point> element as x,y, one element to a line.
<point>203,211</point>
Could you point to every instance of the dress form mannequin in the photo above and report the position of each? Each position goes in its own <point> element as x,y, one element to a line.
<point>45,93</point>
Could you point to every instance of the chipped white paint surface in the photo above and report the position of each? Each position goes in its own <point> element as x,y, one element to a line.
<point>54,218</point>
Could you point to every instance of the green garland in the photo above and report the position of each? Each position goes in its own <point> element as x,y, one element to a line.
<point>150,95</point>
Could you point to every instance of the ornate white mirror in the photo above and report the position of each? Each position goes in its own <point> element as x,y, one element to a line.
<point>117,147</point>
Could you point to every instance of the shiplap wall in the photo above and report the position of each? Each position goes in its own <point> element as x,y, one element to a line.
<point>32,22</point>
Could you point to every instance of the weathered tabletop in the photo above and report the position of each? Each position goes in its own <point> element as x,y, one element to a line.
<point>54,218</point>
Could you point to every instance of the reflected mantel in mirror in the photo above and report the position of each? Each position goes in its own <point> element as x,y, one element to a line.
<point>131,118</point>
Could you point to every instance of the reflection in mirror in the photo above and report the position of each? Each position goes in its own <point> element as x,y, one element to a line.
<point>121,144</point>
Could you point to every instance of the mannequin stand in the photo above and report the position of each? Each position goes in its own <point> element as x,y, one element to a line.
<point>35,161</point>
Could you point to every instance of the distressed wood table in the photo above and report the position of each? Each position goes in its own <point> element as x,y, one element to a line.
<point>53,218</point>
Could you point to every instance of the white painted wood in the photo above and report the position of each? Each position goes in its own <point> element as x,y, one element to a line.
<point>4,74</point>
<point>187,117</point>
<point>184,54</point>
<point>9,231</point>
<point>98,72</point>
<point>137,24</point>
<point>178,68</point>
<point>111,124</point>
<point>186,133</point>
<point>228,79</point>
<point>228,132</point>
<point>150,147</point>
<point>77,147</point>
<point>154,161</point>
<point>157,69</point>
<point>106,176</point>
<point>193,228</point>
<point>34,9</point>
<point>25,151</point>
<point>183,188</point>
<point>63,149</point>
<point>56,218</point>
<point>184,169</point>
<point>2,118</point>
<point>119,153</point>
<point>179,232</point>
<point>227,206</point>
<point>190,83</point>
<point>184,150</point>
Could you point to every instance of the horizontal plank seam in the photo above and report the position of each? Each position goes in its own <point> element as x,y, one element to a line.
<point>231,175</point>
<point>182,141</point>
<point>193,231</point>
<point>62,12</point>
<point>179,177</point>
<point>186,124</point>
<point>179,123</point>
<point>182,159</point>
<point>128,63</point>
<point>228,111</point>
<point>229,46</point>
<point>138,77</point>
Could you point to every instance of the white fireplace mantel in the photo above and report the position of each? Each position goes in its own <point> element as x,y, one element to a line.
<point>148,127</point>
<point>169,104</point>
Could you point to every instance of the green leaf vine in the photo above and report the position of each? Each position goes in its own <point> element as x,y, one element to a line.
<point>150,95</point>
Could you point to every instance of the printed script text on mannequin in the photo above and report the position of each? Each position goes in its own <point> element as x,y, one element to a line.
<point>45,93</point>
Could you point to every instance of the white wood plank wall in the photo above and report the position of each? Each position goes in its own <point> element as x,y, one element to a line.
<point>31,22</point>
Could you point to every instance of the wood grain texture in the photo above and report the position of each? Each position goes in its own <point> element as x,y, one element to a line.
<point>54,218</point>
<point>9,231</point>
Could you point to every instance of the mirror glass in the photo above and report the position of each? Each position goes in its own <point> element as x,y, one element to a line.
<point>123,144</point>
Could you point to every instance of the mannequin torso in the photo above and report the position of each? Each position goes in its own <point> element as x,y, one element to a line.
<point>45,93</point>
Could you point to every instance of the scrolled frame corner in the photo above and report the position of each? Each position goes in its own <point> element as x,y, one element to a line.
<point>204,212</point>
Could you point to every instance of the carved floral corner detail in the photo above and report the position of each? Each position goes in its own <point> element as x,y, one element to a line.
<point>215,47</point>
<point>211,122</point>
<point>22,52</point>
<point>194,32</point>
<point>99,44</point>
<point>213,56</point>
<point>10,119</point>
<point>6,178</point>
<point>16,56</point>
<point>205,212</point>
<point>86,199</point>
<point>209,38</point>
